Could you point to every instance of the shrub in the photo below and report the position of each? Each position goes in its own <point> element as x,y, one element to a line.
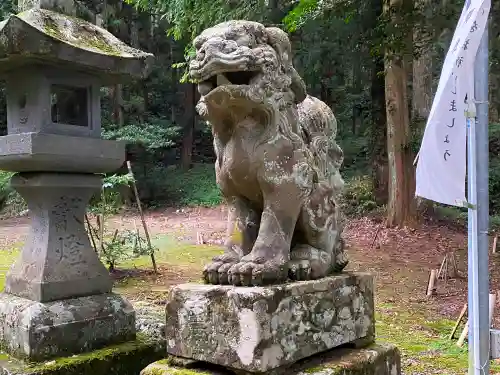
<point>176,187</point>
<point>11,203</point>
<point>358,197</point>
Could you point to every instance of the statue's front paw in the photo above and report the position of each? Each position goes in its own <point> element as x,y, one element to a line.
<point>341,262</point>
<point>217,272</point>
<point>257,274</point>
<point>308,263</point>
<point>299,270</point>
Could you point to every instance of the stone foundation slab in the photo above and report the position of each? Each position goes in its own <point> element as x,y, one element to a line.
<point>128,358</point>
<point>373,360</point>
<point>259,329</point>
<point>37,331</point>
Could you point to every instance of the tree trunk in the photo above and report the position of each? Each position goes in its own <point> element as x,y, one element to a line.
<point>118,105</point>
<point>422,79</point>
<point>357,113</point>
<point>401,206</point>
<point>190,118</point>
<point>379,133</point>
<point>378,118</point>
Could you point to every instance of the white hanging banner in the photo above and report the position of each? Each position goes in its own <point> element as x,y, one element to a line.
<point>441,166</point>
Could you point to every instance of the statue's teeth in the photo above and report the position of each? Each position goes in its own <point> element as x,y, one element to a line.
<point>222,80</point>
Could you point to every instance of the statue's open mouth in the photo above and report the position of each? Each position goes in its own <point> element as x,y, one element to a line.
<point>234,78</point>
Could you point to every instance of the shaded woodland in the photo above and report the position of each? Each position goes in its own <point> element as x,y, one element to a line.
<point>376,63</point>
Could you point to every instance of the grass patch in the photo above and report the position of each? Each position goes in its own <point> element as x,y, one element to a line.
<point>178,262</point>
<point>7,257</point>
<point>175,253</point>
<point>423,343</point>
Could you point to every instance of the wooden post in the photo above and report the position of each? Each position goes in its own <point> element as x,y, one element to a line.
<point>493,300</point>
<point>494,247</point>
<point>457,323</point>
<point>431,288</point>
<point>138,201</point>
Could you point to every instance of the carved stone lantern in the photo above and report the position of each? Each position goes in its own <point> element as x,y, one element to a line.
<point>58,296</point>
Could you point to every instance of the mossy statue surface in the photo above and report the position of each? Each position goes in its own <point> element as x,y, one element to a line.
<point>277,159</point>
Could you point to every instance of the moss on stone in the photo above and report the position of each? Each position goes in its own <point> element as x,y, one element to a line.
<point>166,367</point>
<point>87,35</point>
<point>4,356</point>
<point>125,359</point>
<point>373,360</point>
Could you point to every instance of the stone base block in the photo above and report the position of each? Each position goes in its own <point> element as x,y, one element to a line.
<point>258,329</point>
<point>373,360</point>
<point>124,359</point>
<point>37,331</point>
<point>57,261</point>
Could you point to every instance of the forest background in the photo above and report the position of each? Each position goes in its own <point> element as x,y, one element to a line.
<point>376,63</point>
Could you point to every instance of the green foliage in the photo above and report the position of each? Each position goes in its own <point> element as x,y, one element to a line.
<point>356,155</point>
<point>151,136</point>
<point>358,198</point>
<point>11,203</point>
<point>110,200</point>
<point>173,186</point>
<point>187,18</point>
<point>7,8</point>
<point>494,167</point>
<point>5,189</point>
<point>303,12</point>
<point>124,246</point>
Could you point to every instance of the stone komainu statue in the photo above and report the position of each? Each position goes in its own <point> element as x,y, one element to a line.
<point>277,160</point>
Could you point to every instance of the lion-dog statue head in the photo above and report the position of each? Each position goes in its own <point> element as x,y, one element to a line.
<point>277,160</point>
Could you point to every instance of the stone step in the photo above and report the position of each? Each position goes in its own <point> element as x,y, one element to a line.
<point>376,359</point>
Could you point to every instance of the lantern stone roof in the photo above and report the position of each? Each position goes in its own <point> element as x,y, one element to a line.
<point>41,36</point>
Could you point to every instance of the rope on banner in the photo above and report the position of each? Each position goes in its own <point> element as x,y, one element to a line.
<point>482,367</point>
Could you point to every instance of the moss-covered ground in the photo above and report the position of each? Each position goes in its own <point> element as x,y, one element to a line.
<point>417,330</point>
<point>7,257</point>
<point>127,359</point>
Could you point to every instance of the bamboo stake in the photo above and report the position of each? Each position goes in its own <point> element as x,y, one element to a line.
<point>455,273</point>
<point>138,201</point>
<point>457,323</point>
<point>441,268</point>
<point>199,239</point>
<point>91,235</point>
<point>100,225</point>
<point>465,332</point>
<point>463,336</point>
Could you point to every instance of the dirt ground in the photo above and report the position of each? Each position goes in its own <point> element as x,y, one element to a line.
<point>401,259</point>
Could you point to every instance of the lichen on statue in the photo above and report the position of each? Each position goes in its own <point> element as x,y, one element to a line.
<point>277,159</point>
